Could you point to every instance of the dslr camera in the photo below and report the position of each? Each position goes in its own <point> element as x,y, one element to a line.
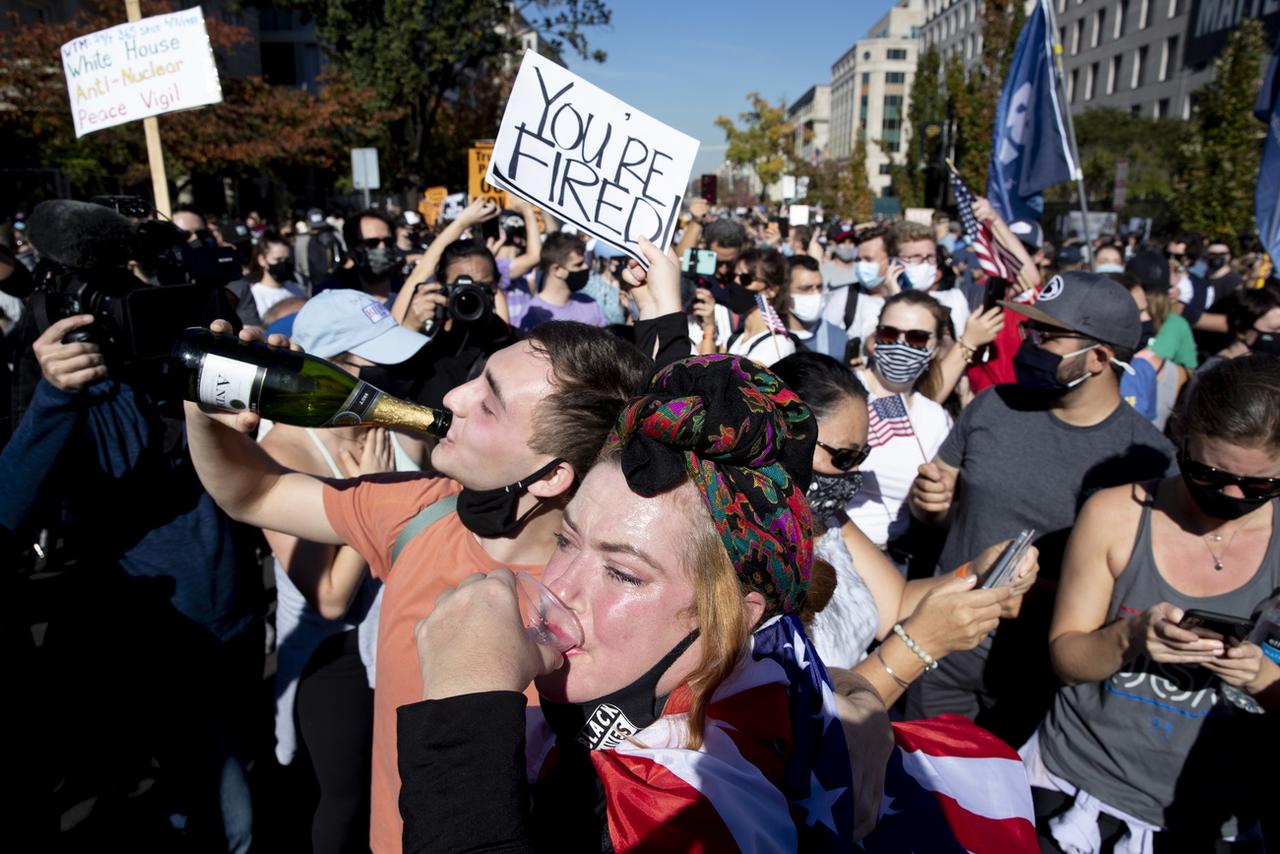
<point>469,301</point>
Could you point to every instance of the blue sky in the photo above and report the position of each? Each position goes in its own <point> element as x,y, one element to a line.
<point>684,63</point>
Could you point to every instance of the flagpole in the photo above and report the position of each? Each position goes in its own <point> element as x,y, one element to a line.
<point>902,399</point>
<point>1060,85</point>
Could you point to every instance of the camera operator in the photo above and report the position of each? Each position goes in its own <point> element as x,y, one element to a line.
<point>157,656</point>
<point>200,257</point>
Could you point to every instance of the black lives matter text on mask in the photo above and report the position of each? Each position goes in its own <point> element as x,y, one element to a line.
<point>612,171</point>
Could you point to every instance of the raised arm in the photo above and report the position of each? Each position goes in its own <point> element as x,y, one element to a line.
<point>244,481</point>
<point>981,330</point>
<point>473,214</point>
<point>522,264</point>
<point>693,231</point>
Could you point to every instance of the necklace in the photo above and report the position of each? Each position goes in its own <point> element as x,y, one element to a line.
<point>1217,538</point>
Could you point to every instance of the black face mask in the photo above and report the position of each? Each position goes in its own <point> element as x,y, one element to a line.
<point>607,721</point>
<point>281,271</point>
<point>392,379</point>
<point>1219,506</point>
<point>1037,371</point>
<point>492,512</point>
<point>1266,342</point>
<point>577,280</point>
<point>738,299</point>
<point>1217,262</point>
<point>831,493</point>
<point>376,263</point>
<point>1148,331</point>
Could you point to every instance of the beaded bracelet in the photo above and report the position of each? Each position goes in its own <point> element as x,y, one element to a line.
<point>968,352</point>
<point>887,669</point>
<point>929,663</point>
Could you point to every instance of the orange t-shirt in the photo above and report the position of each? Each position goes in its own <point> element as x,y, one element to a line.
<point>369,513</point>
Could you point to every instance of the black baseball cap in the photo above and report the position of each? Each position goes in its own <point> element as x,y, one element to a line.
<point>1151,269</point>
<point>1090,304</point>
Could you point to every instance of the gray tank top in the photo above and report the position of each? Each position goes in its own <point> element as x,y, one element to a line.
<point>1154,740</point>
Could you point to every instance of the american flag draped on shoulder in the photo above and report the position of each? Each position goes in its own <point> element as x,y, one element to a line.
<point>995,259</point>
<point>951,786</point>
<point>888,418</point>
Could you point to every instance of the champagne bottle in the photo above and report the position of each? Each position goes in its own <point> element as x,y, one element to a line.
<point>288,387</point>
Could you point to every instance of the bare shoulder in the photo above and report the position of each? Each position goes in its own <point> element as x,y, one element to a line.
<point>1116,505</point>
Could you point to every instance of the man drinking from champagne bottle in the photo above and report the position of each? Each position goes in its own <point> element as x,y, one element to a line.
<point>522,434</point>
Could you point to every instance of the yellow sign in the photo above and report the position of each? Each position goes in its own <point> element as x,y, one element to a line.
<point>477,165</point>
<point>429,207</point>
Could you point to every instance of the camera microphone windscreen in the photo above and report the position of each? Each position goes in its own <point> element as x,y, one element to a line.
<point>81,235</point>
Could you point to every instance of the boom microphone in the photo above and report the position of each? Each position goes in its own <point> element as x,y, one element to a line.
<point>81,235</point>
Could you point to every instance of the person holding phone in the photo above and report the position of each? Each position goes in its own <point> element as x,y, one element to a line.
<point>1142,741</point>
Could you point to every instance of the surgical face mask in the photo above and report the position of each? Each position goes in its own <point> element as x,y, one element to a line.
<point>807,308</point>
<point>845,253</point>
<point>831,493</point>
<point>378,262</point>
<point>921,275</point>
<point>900,363</point>
<point>1109,268</point>
<point>1037,370</point>
<point>868,273</point>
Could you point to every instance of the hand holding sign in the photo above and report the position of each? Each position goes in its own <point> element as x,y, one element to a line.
<point>580,153</point>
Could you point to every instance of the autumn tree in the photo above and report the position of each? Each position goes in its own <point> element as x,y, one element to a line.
<point>444,65</point>
<point>258,128</point>
<point>840,188</point>
<point>1218,165</point>
<point>763,142</point>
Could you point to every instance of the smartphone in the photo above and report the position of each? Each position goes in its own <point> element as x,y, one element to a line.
<point>852,350</point>
<point>489,229</point>
<point>904,281</point>
<point>1002,572</point>
<point>996,289</point>
<point>701,262</point>
<point>1226,625</point>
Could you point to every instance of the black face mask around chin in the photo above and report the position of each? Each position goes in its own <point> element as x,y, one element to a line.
<point>607,721</point>
<point>1214,503</point>
<point>492,512</point>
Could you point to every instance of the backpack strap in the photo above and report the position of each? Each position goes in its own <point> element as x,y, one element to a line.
<point>425,518</point>
<point>851,304</point>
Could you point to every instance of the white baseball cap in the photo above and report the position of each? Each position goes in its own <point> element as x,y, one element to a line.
<point>349,321</point>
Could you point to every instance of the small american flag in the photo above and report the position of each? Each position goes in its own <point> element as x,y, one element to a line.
<point>994,259</point>
<point>888,418</point>
<point>770,315</point>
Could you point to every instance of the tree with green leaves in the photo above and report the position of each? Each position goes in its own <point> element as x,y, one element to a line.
<point>927,105</point>
<point>841,189</point>
<point>764,143</point>
<point>1218,165</point>
<point>445,65</point>
<point>972,94</point>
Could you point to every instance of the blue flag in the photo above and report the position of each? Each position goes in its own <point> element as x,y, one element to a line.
<point>1266,194</point>
<point>1029,150</point>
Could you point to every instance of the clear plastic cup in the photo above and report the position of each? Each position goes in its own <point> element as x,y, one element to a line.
<point>546,619</point>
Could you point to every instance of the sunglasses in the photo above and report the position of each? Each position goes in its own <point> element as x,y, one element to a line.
<point>846,459</point>
<point>1040,337</point>
<point>1175,256</point>
<point>375,242</point>
<point>745,279</point>
<point>891,335</point>
<point>1207,476</point>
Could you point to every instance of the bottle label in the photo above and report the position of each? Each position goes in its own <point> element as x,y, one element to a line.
<point>229,384</point>
<point>356,407</point>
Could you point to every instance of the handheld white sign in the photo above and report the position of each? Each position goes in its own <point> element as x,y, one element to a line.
<point>575,150</point>
<point>144,68</point>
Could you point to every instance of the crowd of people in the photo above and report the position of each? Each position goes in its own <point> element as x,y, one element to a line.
<point>769,446</point>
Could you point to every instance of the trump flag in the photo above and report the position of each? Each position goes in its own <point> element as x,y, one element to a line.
<point>1029,149</point>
